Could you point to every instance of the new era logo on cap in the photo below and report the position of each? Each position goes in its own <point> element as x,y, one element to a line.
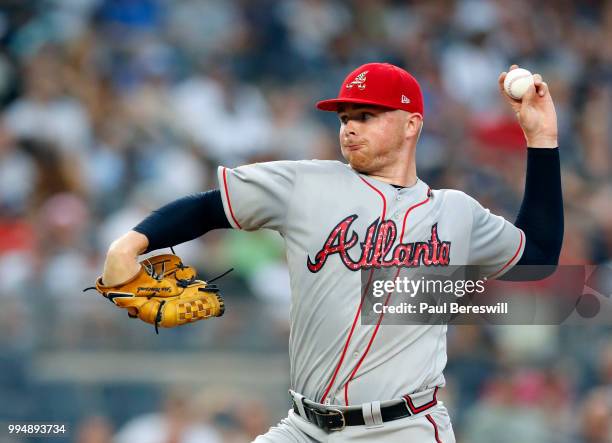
<point>385,84</point>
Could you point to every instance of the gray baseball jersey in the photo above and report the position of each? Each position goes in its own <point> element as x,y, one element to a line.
<point>336,222</point>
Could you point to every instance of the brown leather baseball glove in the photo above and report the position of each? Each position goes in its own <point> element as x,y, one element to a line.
<point>165,293</point>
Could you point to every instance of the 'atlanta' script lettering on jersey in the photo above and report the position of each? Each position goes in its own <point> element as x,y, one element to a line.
<point>376,249</point>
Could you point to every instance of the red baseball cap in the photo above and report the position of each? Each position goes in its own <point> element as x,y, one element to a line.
<point>380,84</point>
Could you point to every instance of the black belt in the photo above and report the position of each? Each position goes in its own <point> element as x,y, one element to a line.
<point>332,419</point>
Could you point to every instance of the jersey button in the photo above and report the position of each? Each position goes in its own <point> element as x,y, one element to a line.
<point>356,354</point>
<point>398,198</point>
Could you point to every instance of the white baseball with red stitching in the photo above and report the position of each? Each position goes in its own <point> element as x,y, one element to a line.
<point>517,82</point>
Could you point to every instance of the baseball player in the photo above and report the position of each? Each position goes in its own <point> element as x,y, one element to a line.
<point>349,381</point>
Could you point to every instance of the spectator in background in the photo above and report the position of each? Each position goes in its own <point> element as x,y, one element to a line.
<point>227,119</point>
<point>177,422</point>
<point>237,415</point>
<point>18,174</point>
<point>44,111</point>
<point>468,63</point>
<point>594,419</point>
<point>501,413</point>
<point>94,429</point>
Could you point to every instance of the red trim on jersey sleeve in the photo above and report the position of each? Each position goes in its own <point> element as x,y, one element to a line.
<point>227,197</point>
<point>350,334</point>
<point>401,239</point>
<point>511,260</point>
<point>435,426</point>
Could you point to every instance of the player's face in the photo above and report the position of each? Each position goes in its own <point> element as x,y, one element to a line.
<point>371,137</point>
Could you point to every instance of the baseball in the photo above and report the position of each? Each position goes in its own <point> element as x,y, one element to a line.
<point>517,82</point>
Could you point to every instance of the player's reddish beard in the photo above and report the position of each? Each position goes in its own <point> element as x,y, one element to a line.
<point>372,145</point>
<point>363,159</point>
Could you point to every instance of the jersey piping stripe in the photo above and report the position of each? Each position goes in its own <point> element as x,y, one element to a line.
<point>401,239</point>
<point>350,335</point>
<point>229,203</point>
<point>512,259</point>
<point>435,426</point>
<point>367,347</point>
<point>384,211</point>
<point>348,340</point>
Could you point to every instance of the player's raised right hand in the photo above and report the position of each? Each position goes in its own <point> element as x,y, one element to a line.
<point>535,112</point>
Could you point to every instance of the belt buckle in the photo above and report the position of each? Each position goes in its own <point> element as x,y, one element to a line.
<point>333,411</point>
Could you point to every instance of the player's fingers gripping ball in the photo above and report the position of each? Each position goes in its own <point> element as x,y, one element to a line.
<point>517,82</point>
<point>165,293</point>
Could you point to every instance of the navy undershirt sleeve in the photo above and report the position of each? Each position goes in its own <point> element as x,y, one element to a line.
<point>184,219</point>
<point>541,215</point>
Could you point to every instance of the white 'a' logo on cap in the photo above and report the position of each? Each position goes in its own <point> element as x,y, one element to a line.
<point>360,81</point>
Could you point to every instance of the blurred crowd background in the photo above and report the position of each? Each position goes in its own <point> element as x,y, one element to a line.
<point>111,108</point>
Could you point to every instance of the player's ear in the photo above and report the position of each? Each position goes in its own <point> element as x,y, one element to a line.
<point>414,124</point>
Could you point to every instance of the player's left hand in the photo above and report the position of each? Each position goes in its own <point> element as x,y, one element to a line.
<point>535,112</point>
<point>165,293</point>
